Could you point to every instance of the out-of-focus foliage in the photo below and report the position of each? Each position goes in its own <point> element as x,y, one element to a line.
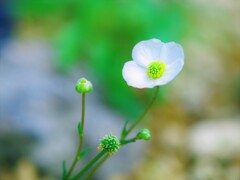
<point>103,33</point>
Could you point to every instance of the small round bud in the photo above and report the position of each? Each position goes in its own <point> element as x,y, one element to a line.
<point>83,86</point>
<point>109,143</point>
<point>144,134</point>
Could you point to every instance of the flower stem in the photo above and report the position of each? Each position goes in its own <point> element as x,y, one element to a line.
<point>80,138</point>
<point>124,142</point>
<point>89,165</point>
<point>143,115</point>
<point>102,153</point>
<point>89,176</point>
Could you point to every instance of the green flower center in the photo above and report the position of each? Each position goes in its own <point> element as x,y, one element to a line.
<point>156,69</point>
<point>110,143</point>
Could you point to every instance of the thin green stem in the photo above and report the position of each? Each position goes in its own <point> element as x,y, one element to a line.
<point>143,115</point>
<point>124,142</point>
<point>99,164</point>
<point>89,165</point>
<point>80,139</point>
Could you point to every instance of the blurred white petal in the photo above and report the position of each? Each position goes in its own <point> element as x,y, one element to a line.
<point>170,52</point>
<point>146,52</point>
<point>135,75</point>
<point>172,70</point>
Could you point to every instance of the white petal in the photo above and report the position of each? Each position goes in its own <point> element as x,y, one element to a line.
<point>171,72</point>
<point>145,52</point>
<point>136,76</point>
<point>170,52</point>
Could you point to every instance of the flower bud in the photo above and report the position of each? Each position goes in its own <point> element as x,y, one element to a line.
<point>109,143</point>
<point>83,86</point>
<point>144,134</point>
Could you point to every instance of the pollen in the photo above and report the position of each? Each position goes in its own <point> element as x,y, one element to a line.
<point>156,69</point>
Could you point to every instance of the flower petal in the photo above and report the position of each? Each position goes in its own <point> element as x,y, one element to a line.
<point>145,52</point>
<point>171,72</point>
<point>136,76</point>
<point>170,52</point>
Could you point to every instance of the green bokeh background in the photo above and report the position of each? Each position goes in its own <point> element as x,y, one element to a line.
<point>103,33</point>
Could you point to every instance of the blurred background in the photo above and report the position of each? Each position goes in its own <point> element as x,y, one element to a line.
<point>46,46</point>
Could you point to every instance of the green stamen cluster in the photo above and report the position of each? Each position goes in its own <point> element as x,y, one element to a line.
<point>156,69</point>
<point>110,144</point>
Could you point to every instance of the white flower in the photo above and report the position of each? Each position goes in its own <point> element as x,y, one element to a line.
<point>154,63</point>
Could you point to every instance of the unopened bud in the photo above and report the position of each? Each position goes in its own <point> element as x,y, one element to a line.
<point>83,86</point>
<point>144,134</point>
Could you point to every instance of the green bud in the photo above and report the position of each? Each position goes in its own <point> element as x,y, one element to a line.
<point>84,86</point>
<point>109,143</point>
<point>144,134</point>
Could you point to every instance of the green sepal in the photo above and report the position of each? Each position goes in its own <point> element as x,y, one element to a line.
<point>80,131</point>
<point>124,130</point>
<point>64,170</point>
<point>83,153</point>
